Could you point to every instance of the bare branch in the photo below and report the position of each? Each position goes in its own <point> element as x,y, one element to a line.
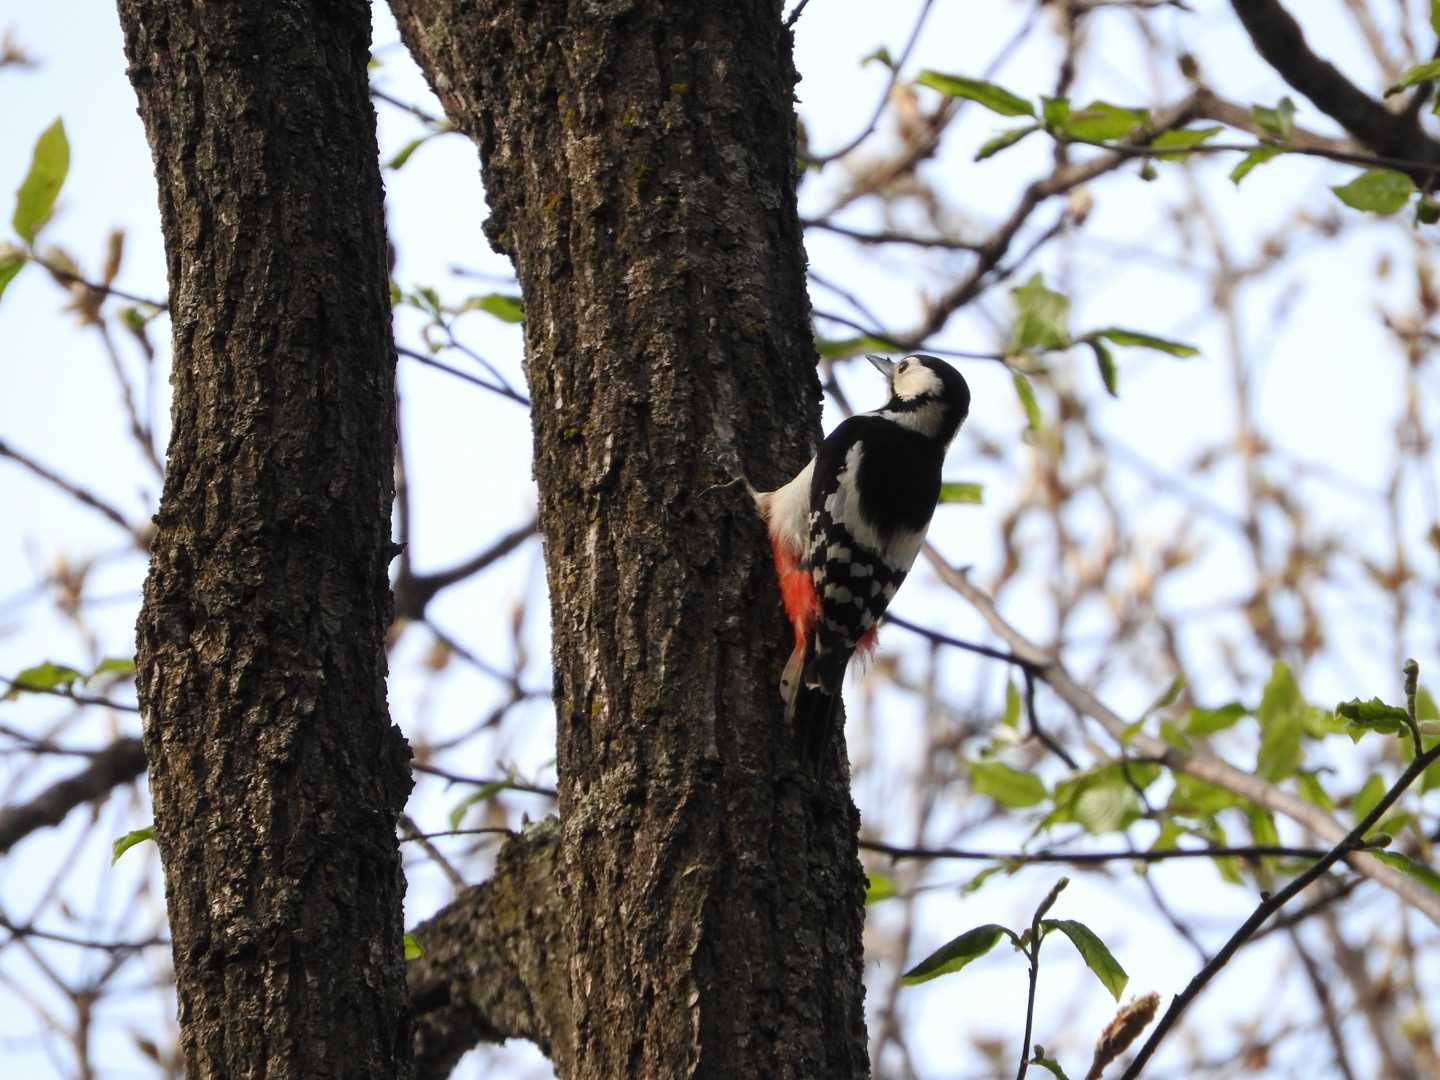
<point>414,591</point>
<point>123,762</point>
<point>1272,904</point>
<point>1194,762</point>
<point>74,490</point>
<point>1094,858</point>
<point>492,966</point>
<point>1279,39</point>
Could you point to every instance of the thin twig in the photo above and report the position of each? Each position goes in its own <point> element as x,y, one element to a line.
<point>890,236</point>
<point>413,592</point>
<point>74,490</point>
<point>1271,904</point>
<point>1026,667</point>
<point>1094,858</point>
<point>70,695</point>
<point>405,106</point>
<point>821,159</point>
<point>72,278</point>
<point>495,831</point>
<point>430,361</point>
<point>1193,762</point>
<point>23,931</point>
<point>482,781</point>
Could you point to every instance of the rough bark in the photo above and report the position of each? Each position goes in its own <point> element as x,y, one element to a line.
<point>275,772</point>
<point>639,163</point>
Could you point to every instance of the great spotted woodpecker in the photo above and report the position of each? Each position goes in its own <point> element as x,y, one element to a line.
<point>846,530</point>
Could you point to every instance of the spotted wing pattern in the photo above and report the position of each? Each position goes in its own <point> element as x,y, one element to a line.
<point>854,586</point>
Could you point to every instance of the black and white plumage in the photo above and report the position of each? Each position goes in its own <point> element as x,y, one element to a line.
<point>845,531</point>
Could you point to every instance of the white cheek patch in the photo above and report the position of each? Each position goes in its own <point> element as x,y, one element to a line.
<point>917,380</point>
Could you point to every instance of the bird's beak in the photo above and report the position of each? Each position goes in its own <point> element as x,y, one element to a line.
<point>884,366</point>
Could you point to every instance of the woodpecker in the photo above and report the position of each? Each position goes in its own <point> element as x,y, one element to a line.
<point>845,531</point>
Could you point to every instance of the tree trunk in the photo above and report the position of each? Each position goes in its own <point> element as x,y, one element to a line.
<point>639,158</point>
<point>275,772</point>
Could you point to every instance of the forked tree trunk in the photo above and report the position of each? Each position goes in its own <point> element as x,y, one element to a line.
<point>639,160</point>
<point>275,772</point>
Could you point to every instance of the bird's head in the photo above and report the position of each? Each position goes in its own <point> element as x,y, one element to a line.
<point>926,394</point>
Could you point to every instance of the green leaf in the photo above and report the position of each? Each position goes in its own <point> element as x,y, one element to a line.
<point>1226,865</point>
<point>1209,721</point>
<point>1054,894</point>
<point>1003,141</point>
<point>1105,361</point>
<point>1195,798</point>
<point>1282,723</point>
<point>1279,121</point>
<point>9,266</point>
<point>1168,837</point>
<point>1368,797</point>
<point>1435,15</point>
<point>973,885</point>
<point>1415,76</point>
<point>1180,140</point>
<point>1168,696</point>
<point>957,492</point>
<point>43,677</point>
<point>1047,1063</point>
<point>1427,714</point>
<point>1262,827</point>
<point>1101,800</point>
<point>993,97</point>
<point>1121,336</point>
<point>955,954</point>
<point>1313,792</point>
<point>880,887</point>
<point>479,795</point>
<point>1012,705</point>
<point>35,199</point>
<point>413,951</point>
<point>882,55</point>
<point>403,154</point>
<point>1250,161</point>
<point>1426,875</point>
<point>1380,191</point>
<point>123,844</point>
<point>1171,734</point>
<point>114,665</point>
<point>1100,121</point>
<point>1373,715</point>
<point>1096,956</point>
<point>504,307</point>
<point>1042,317</point>
<point>1007,786</point>
<point>1055,112</point>
<point>1026,394</point>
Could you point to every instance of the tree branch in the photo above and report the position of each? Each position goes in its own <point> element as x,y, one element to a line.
<point>119,764</point>
<point>1273,903</point>
<point>1193,762</point>
<point>414,591</point>
<point>1279,39</point>
<point>493,965</point>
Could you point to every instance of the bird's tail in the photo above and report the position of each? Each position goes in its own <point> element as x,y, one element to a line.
<point>816,712</point>
<point>810,686</point>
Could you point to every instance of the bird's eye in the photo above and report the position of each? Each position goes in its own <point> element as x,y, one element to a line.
<point>903,365</point>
